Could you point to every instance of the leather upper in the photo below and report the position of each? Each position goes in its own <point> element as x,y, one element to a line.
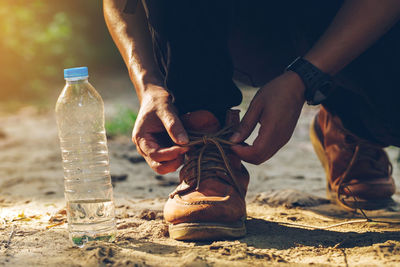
<point>368,173</point>
<point>217,198</point>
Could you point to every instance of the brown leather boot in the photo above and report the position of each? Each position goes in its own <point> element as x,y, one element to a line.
<point>209,203</point>
<point>358,172</point>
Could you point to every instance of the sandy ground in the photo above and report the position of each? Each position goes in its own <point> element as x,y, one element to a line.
<point>285,194</point>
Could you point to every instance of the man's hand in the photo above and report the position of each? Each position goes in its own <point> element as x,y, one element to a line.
<point>157,131</point>
<point>276,106</point>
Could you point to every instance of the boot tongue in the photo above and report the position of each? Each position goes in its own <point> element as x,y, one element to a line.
<point>201,121</point>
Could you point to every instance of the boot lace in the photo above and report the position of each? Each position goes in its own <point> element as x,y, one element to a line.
<point>208,155</point>
<point>363,150</point>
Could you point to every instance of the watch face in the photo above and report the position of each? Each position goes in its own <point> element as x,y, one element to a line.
<point>318,97</point>
<point>323,91</point>
<point>325,87</point>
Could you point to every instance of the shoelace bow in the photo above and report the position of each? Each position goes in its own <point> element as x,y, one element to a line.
<point>203,153</point>
<point>359,147</point>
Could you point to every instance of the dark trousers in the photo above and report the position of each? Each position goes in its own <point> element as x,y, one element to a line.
<point>201,46</point>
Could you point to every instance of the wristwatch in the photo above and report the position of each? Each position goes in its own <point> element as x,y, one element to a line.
<point>319,85</point>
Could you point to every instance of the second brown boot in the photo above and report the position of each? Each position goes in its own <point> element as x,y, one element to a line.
<point>358,172</point>
<point>209,203</point>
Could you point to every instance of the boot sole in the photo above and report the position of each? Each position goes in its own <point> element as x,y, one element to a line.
<point>207,231</point>
<point>366,204</point>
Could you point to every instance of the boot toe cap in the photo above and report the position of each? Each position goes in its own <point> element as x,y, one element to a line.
<point>214,209</point>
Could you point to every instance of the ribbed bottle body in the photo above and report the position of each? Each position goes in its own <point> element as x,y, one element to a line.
<point>88,189</point>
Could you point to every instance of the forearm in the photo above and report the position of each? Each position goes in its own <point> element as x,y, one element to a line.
<point>358,24</point>
<point>132,37</point>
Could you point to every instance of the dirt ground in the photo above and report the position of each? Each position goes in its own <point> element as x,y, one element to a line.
<point>286,196</point>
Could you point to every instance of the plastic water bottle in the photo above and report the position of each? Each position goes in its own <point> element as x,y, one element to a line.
<point>88,189</point>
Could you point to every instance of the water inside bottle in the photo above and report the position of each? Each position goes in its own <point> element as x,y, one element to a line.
<point>96,215</point>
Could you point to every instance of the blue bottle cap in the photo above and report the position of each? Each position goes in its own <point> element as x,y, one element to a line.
<point>76,72</point>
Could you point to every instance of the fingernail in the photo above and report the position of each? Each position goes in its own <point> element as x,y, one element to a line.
<point>235,137</point>
<point>182,139</point>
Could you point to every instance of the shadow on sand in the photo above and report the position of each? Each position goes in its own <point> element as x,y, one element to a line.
<point>266,234</point>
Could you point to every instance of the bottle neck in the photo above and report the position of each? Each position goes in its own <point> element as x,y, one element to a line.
<point>76,80</point>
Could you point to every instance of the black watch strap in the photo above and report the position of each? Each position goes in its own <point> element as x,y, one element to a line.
<point>318,84</point>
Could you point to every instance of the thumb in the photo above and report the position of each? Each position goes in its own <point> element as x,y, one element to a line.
<point>246,126</point>
<point>174,126</point>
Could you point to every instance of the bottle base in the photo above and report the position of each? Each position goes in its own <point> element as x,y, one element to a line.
<point>80,239</point>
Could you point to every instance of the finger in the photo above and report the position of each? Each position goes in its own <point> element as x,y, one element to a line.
<point>174,126</point>
<point>167,166</point>
<point>147,144</point>
<point>136,136</point>
<point>247,124</point>
<point>259,151</point>
<point>250,154</point>
<point>168,154</point>
<point>247,153</point>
